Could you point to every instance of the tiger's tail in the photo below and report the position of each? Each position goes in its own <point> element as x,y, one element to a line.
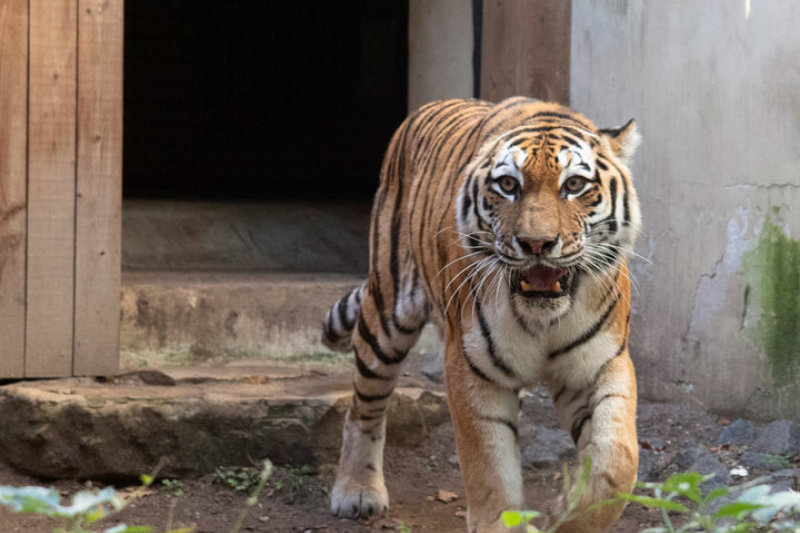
<point>340,320</point>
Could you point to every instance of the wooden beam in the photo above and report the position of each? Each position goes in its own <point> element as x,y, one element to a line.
<point>51,187</point>
<point>99,187</point>
<point>13,183</point>
<point>526,49</point>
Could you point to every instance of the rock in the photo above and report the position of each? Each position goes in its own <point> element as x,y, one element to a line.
<point>652,443</point>
<point>697,459</point>
<point>78,428</point>
<point>445,496</point>
<point>794,441</point>
<point>783,480</point>
<point>740,433</point>
<point>763,461</point>
<point>775,438</point>
<point>648,464</point>
<point>433,367</point>
<point>550,447</point>
<point>453,460</point>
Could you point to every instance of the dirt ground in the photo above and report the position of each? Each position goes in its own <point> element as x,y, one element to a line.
<point>295,499</point>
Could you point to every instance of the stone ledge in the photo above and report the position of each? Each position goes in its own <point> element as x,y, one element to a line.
<point>81,428</point>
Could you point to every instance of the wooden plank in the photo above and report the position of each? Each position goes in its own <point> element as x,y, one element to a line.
<point>13,183</point>
<point>51,184</point>
<point>99,187</point>
<point>526,49</point>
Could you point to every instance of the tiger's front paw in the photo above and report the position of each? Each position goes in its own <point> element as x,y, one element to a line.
<point>352,499</point>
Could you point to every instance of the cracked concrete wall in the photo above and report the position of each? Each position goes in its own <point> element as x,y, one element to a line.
<point>715,87</point>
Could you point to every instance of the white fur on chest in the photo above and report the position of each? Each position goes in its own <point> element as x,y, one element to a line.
<point>526,350</point>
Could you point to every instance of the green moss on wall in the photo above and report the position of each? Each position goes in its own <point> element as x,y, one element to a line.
<point>773,270</point>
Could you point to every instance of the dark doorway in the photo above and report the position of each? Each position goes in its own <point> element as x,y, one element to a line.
<point>262,99</point>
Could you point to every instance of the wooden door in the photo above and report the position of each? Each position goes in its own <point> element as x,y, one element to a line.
<point>60,186</point>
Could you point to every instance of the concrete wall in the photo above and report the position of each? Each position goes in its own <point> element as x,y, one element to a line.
<point>285,236</point>
<point>715,86</point>
<point>440,44</point>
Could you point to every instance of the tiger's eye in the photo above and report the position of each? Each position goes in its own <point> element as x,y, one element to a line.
<point>574,184</point>
<point>508,184</point>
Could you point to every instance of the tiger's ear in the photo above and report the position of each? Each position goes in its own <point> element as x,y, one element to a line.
<point>623,140</point>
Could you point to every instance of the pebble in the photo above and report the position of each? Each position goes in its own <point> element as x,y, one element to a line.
<point>739,471</point>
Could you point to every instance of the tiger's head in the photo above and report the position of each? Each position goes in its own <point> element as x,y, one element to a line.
<point>548,203</point>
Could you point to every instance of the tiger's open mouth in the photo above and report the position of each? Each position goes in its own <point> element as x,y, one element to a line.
<point>542,281</point>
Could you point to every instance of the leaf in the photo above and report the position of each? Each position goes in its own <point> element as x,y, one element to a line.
<point>146,480</point>
<point>122,528</point>
<point>31,500</point>
<point>741,527</point>
<point>86,501</point>
<point>753,494</point>
<point>515,518</point>
<point>774,503</point>
<point>648,501</point>
<point>686,484</point>
<point>715,493</point>
<point>511,518</point>
<point>736,509</point>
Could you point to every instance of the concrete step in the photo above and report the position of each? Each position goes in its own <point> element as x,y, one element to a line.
<point>184,318</point>
<point>288,236</point>
<point>193,419</point>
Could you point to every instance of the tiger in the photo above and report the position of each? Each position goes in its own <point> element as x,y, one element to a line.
<point>507,225</point>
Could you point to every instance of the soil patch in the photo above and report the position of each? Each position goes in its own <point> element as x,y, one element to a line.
<point>296,500</point>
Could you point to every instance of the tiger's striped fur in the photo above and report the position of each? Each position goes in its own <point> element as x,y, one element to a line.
<point>508,225</point>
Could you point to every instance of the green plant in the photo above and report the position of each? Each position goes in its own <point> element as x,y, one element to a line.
<point>686,508</point>
<point>294,482</point>
<point>778,461</point>
<point>239,479</point>
<point>87,507</point>
<point>263,476</point>
<point>749,509</point>
<point>173,486</point>
<point>573,498</point>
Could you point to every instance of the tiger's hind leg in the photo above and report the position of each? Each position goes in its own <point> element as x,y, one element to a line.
<point>381,341</point>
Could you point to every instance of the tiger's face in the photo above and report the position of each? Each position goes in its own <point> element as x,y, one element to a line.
<point>549,205</point>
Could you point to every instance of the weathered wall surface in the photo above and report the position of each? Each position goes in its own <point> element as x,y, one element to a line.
<point>715,86</point>
<point>440,38</point>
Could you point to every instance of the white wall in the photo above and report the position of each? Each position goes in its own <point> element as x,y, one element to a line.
<point>715,87</point>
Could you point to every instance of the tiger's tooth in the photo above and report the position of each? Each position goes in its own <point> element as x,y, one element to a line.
<point>525,285</point>
<point>557,286</point>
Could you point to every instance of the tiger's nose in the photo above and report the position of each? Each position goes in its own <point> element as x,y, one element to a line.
<point>538,245</point>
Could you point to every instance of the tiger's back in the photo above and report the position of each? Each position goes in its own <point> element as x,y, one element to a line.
<point>508,224</point>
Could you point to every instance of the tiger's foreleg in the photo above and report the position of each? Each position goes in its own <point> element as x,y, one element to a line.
<point>602,420</point>
<point>485,418</point>
<point>359,489</point>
